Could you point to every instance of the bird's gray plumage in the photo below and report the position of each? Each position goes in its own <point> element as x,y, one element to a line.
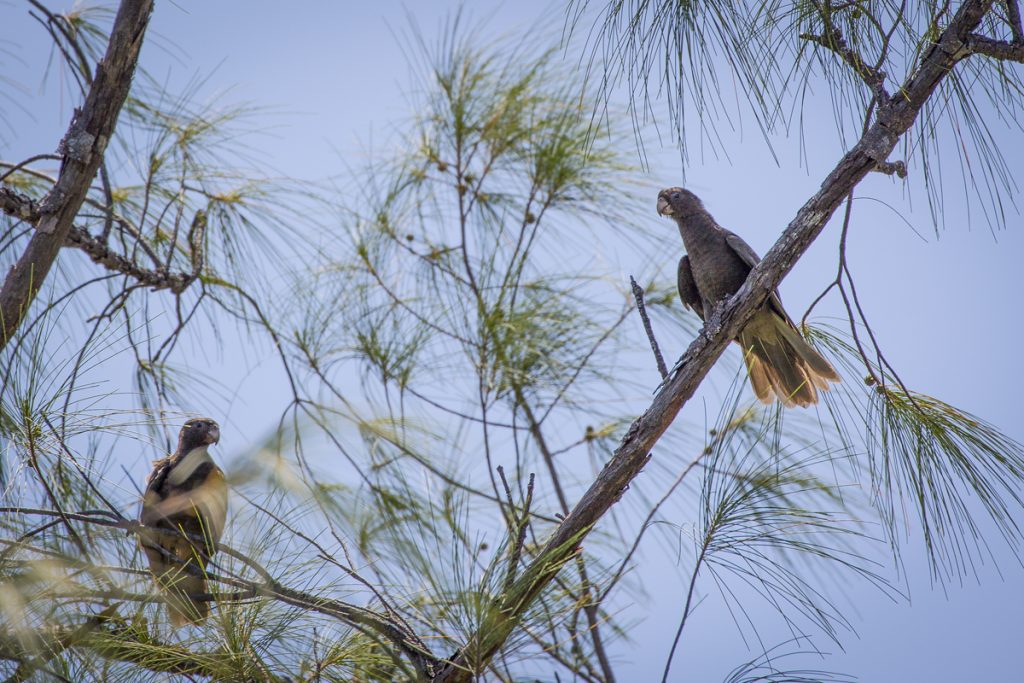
<point>779,361</point>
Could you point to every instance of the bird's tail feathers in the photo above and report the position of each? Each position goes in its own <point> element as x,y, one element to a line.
<point>780,363</point>
<point>821,371</point>
<point>178,582</point>
<point>759,378</point>
<point>181,608</point>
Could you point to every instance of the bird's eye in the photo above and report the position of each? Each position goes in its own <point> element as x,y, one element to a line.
<point>676,195</point>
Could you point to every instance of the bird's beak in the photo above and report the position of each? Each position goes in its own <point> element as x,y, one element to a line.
<point>664,208</point>
<point>214,435</point>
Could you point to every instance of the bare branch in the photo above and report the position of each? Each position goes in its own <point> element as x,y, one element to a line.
<point>156,279</point>
<point>18,205</point>
<point>638,294</point>
<point>83,148</point>
<point>833,40</point>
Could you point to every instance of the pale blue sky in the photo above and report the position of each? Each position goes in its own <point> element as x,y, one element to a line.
<point>946,309</point>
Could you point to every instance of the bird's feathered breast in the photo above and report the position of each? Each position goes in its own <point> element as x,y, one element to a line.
<point>187,493</point>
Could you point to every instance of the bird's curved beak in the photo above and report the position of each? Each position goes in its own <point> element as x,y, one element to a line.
<point>214,435</point>
<point>664,208</point>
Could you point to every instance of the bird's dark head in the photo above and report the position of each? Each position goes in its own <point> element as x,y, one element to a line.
<point>199,431</point>
<point>677,202</point>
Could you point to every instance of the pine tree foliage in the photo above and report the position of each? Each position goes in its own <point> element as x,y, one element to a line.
<point>458,372</point>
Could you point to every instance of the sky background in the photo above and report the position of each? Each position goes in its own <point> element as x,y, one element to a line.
<point>335,80</point>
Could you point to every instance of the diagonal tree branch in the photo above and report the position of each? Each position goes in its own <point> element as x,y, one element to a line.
<point>82,148</point>
<point>895,117</point>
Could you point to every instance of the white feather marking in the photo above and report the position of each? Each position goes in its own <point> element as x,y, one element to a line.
<point>187,465</point>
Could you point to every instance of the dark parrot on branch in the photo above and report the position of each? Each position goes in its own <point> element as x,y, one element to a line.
<point>186,495</point>
<point>780,363</point>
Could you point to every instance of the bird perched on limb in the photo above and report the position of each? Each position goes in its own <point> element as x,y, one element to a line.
<point>184,509</point>
<point>780,363</point>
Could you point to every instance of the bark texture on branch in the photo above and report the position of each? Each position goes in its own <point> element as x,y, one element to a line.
<point>895,116</point>
<point>999,49</point>
<point>19,206</point>
<point>82,148</point>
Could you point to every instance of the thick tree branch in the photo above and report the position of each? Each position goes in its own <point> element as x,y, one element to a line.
<point>82,148</point>
<point>895,117</point>
<point>997,49</point>
<point>19,206</point>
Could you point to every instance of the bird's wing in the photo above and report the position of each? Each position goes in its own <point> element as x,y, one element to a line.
<point>158,548</point>
<point>688,292</point>
<point>742,249</point>
<point>750,257</point>
<point>149,514</point>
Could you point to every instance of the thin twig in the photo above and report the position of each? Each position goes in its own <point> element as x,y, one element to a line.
<point>518,524</point>
<point>832,39</point>
<point>686,612</point>
<point>638,294</point>
<point>26,162</point>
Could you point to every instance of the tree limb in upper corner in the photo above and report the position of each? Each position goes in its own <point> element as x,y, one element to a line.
<point>82,149</point>
<point>895,116</point>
